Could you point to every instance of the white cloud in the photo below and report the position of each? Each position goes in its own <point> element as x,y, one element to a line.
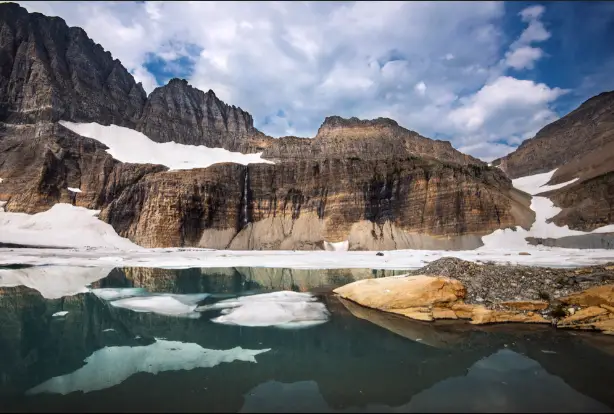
<point>420,88</point>
<point>315,59</point>
<point>521,54</point>
<point>523,57</point>
<point>501,112</point>
<point>532,13</point>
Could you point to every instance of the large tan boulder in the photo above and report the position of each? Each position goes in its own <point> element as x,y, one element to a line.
<point>404,295</point>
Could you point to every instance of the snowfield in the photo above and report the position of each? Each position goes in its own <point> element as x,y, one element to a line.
<point>544,209</point>
<point>128,145</point>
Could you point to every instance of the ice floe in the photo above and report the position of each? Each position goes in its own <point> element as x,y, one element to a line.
<point>128,145</point>
<point>166,304</point>
<point>285,309</point>
<point>113,365</point>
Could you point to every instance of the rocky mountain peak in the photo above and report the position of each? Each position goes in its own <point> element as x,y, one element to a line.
<point>70,77</point>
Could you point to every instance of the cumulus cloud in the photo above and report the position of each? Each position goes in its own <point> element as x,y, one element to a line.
<point>291,64</point>
<point>521,54</point>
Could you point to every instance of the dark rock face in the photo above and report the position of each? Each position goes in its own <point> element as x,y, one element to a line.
<point>587,204</point>
<point>178,112</point>
<point>51,72</point>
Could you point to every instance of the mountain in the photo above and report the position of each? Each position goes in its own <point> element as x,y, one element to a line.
<point>371,182</point>
<point>580,146</point>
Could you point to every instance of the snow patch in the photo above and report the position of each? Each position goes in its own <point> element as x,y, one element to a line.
<point>113,365</point>
<point>74,190</point>
<point>59,314</point>
<point>285,309</point>
<point>2,204</point>
<point>128,145</point>
<point>342,246</point>
<point>163,304</point>
<point>63,225</point>
<point>53,282</point>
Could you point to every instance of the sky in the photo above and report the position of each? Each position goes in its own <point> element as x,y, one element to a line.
<point>483,75</point>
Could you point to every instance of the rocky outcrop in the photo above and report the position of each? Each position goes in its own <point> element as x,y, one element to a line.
<point>427,298</point>
<point>583,300</point>
<point>586,205</point>
<point>49,71</point>
<point>186,115</point>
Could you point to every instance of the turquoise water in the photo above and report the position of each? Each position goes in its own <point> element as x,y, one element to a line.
<point>103,357</point>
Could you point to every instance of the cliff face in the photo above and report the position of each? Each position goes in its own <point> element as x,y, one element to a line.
<point>50,71</point>
<point>399,203</point>
<point>178,112</point>
<point>371,182</point>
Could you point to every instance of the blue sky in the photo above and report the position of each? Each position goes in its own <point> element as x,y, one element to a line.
<point>484,75</point>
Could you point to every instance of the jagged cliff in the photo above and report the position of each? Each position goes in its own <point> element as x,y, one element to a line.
<point>371,182</point>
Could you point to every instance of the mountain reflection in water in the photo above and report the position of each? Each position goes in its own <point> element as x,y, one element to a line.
<point>101,356</point>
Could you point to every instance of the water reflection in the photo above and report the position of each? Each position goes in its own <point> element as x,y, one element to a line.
<point>105,357</point>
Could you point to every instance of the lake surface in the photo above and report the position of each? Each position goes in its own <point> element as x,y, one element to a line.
<point>222,340</point>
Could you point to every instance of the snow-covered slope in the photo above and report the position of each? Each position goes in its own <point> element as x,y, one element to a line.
<point>128,145</point>
<point>113,365</point>
<point>63,225</point>
<point>544,209</point>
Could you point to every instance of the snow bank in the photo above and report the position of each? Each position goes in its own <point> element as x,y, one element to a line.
<point>284,309</point>
<point>63,225</point>
<point>163,304</point>
<point>342,246</point>
<point>113,365</point>
<point>53,282</point>
<point>544,209</point>
<point>128,145</point>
